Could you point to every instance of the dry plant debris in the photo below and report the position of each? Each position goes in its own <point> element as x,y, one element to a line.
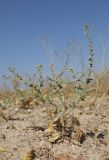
<point>3,149</point>
<point>30,155</point>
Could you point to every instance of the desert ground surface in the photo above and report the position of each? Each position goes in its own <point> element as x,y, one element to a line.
<point>23,134</point>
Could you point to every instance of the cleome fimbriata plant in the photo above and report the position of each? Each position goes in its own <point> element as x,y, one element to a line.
<point>56,82</point>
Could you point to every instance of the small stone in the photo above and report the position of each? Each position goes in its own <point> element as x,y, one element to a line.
<point>29,110</point>
<point>64,157</point>
<point>17,109</point>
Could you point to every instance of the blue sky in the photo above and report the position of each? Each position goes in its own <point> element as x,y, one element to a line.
<point>24,24</point>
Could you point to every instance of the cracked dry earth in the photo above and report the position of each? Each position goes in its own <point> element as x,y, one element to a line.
<point>22,134</point>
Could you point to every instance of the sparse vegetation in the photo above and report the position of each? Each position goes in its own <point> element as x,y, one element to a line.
<point>57,97</point>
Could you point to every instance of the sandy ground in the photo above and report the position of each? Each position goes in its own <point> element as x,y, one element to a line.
<point>23,137</point>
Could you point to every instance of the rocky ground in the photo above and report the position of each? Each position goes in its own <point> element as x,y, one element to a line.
<point>23,134</point>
